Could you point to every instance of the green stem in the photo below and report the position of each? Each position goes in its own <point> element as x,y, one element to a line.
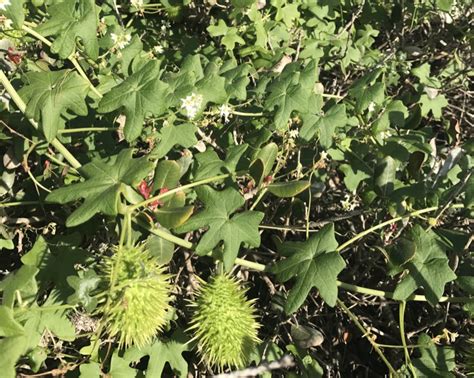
<point>71,58</point>
<point>327,95</point>
<point>360,289</point>
<point>251,265</point>
<point>400,346</point>
<point>178,189</point>
<point>164,234</point>
<point>22,106</point>
<point>54,159</point>
<point>367,334</point>
<point>154,5</point>
<point>285,228</point>
<point>259,198</point>
<point>243,114</point>
<point>86,130</point>
<point>389,294</point>
<point>401,322</point>
<point>19,203</point>
<point>389,222</point>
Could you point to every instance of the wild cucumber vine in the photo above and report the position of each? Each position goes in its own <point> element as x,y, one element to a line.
<point>277,164</point>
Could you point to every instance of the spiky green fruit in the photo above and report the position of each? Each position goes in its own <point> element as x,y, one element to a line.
<point>224,323</point>
<point>139,299</point>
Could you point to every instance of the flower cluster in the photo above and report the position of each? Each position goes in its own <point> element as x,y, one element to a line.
<point>191,104</point>
<point>4,4</point>
<point>5,22</point>
<point>158,49</point>
<point>137,3</point>
<point>225,112</point>
<point>350,202</point>
<point>121,40</point>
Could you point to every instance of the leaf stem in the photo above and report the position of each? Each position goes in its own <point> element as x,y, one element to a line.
<point>389,222</point>
<point>71,58</point>
<point>360,289</point>
<point>367,334</point>
<point>401,321</point>
<point>389,294</point>
<point>86,130</point>
<point>22,106</point>
<point>19,203</point>
<point>243,114</point>
<point>259,198</point>
<point>328,95</point>
<point>164,235</point>
<point>285,228</point>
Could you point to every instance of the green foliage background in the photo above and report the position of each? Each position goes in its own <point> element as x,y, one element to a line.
<point>321,151</point>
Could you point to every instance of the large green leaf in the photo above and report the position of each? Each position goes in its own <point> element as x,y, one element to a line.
<point>385,175</point>
<point>11,349</point>
<point>313,263</point>
<point>435,105</point>
<point>233,231</point>
<point>49,95</point>
<point>236,79</point>
<point>140,94</point>
<point>366,91</point>
<point>427,268</point>
<point>435,361</point>
<point>170,136</point>
<point>102,189</point>
<point>209,163</point>
<point>167,174</point>
<point>72,20</point>
<point>160,248</point>
<point>263,163</point>
<point>21,282</point>
<point>120,367</point>
<point>212,86</point>
<point>161,353</point>
<point>326,124</point>
<point>9,327</point>
<point>288,189</point>
<point>291,92</point>
<point>84,283</point>
<point>394,114</point>
<point>230,34</point>
<point>56,260</point>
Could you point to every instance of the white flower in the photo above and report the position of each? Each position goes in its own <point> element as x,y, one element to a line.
<point>4,4</point>
<point>371,107</point>
<point>323,155</point>
<point>294,133</point>
<point>5,23</point>
<point>158,49</point>
<point>349,203</point>
<point>385,134</point>
<point>225,112</point>
<point>191,104</point>
<point>137,3</point>
<point>120,40</point>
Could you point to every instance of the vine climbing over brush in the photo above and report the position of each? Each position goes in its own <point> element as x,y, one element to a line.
<point>202,187</point>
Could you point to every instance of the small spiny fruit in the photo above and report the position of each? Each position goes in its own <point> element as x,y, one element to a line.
<point>224,323</point>
<point>139,299</point>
